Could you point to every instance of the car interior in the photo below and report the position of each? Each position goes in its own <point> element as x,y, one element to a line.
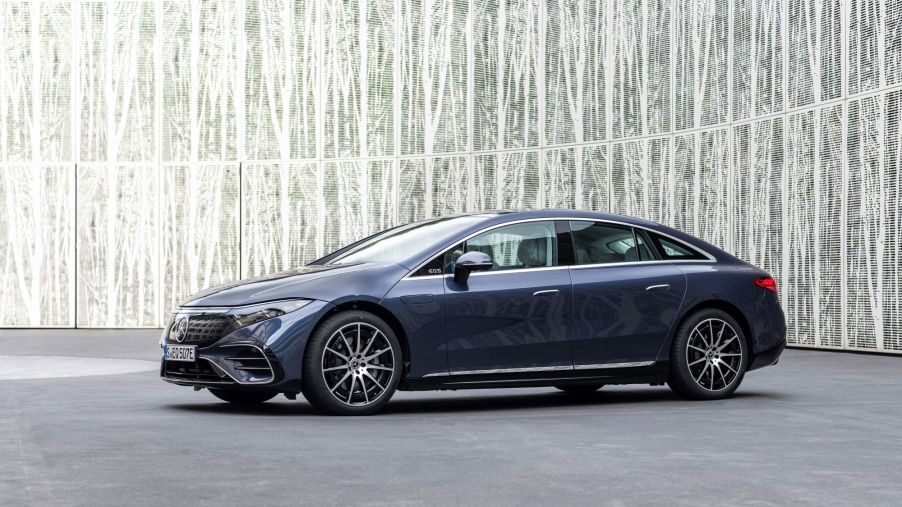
<point>598,243</point>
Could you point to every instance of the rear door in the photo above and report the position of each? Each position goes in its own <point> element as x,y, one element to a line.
<point>625,298</point>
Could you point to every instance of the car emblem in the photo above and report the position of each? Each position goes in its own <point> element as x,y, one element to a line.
<point>181,329</point>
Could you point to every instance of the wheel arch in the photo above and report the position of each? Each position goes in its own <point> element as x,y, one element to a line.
<point>379,311</point>
<point>726,307</point>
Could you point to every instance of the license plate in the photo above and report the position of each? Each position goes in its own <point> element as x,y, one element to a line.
<point>184,353</point>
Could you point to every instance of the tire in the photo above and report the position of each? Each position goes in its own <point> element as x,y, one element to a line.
<point>352,364</point>
<point>580,388</point>
<point>708,357</point>
<point>243,397</point>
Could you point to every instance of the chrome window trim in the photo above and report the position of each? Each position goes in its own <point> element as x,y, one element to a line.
<point>574,266</point>
<point>518,270</point>
<point>640,263</point>
<point>710,258</point>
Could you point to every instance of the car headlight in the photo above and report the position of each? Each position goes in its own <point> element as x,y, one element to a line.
<point>246,315</point>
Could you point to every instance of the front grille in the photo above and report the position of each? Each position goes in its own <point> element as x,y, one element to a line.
<point>198,371</point>
<point>203,330</point>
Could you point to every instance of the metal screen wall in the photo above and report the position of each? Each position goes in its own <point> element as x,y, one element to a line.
<point>153,148</point>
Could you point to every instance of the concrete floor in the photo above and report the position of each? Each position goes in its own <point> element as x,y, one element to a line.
<point>818,429</point>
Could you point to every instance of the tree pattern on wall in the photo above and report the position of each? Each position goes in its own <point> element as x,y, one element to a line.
<point>150,148</point>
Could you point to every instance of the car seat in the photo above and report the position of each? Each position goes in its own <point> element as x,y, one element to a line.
<point>533,252</point>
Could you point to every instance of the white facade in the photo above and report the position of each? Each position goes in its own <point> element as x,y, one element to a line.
<point>152,148</point>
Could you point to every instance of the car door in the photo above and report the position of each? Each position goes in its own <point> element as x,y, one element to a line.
<point>515,317</point>
<point>624,298</point>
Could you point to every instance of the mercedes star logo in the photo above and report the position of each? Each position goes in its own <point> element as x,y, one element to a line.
<point>181,329</point>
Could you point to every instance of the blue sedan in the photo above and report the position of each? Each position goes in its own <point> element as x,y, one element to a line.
<point>568,299</point>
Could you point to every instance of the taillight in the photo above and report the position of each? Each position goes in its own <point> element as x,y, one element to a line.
<point>767,283</point>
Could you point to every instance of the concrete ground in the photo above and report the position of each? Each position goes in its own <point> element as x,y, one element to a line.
<point>820,428</point>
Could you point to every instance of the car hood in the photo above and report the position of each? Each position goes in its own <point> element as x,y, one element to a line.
<point>323,282</point>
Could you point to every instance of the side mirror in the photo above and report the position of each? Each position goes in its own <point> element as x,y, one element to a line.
<point>471,261</point>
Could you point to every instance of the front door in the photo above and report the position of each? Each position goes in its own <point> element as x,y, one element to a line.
<point>515,317</point>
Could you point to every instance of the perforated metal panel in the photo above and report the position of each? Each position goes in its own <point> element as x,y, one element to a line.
<point>150,148</point>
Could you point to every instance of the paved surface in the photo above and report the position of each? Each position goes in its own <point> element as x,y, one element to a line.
<point>819,429</point>
<point>32,367</point>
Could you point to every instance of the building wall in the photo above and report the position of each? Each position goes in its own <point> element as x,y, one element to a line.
<point>152,148</point>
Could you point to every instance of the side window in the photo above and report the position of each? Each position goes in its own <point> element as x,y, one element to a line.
<point>518,246</point>
<point>433,267</point>
<point>646,250</point>
<point>674,250</point>
<point>601,243</point>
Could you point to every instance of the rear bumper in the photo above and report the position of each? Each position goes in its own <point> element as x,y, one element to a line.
<point>768,357</point>
<point>768,327</point>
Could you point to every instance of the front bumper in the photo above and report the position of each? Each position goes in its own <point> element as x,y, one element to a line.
<point>267,355</point>
<point>227,362</point>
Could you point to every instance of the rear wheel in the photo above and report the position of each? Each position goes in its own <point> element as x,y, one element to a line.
<point>352,365</point>
<point>580,388</point>
<point>242,397</point>
<point>709,356</point>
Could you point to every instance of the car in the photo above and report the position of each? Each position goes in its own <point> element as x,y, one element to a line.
<point>569,299</point>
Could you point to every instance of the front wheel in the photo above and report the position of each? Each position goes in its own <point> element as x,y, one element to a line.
<point>709,356</point>
<point>242,397</point>
<point>352,364</point>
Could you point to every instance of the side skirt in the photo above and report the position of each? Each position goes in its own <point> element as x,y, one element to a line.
<point>653,374</point>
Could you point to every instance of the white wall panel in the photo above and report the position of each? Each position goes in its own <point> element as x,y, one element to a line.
<point>276,75</point>
<point>358,64</point>
<point>506,35</point>
<point>828,220</point>
<point>892,193</point>
<point>118,247</point>
<point>359,201</point>
<point>150,148</point>
<point>200,243</point>
<point>117,82</point>
<point>593,188</point>
<point>36,235</point>
<point>433,76</point>
<point>556,177</point>
<point>637,178</point>
<point>282,209</point>
<point>199,64</point>
<point>799,262</point>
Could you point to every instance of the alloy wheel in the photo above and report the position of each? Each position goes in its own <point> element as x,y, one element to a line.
<point>714,354</point>
<point>358,364</point>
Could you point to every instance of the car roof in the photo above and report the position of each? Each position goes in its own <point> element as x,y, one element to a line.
<point>495,217</point>
<point>506,215</point>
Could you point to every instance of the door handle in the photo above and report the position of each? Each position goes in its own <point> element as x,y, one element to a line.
<point>663,286</point>
<point>549,292</point>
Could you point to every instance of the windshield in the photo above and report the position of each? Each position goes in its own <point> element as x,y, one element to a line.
<point>394,245</point>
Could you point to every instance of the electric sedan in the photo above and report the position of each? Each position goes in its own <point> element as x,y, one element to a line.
<point>568,299</point>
